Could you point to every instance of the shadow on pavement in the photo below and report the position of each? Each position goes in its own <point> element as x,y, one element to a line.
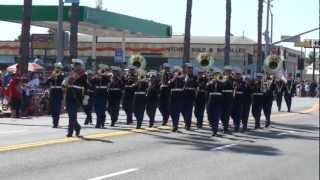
<point>211,144</point>
<point>95,139</point>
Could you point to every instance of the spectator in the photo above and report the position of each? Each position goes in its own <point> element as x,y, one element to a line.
<point>15,95</point>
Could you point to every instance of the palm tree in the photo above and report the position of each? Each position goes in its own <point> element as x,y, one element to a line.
<point>259,48</point>
<point>74,21</point>
<point>186,49</point>
<point>227,33</point>
<point>25,37</point>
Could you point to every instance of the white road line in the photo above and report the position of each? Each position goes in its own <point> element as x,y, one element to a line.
<point>224,146</point>
<point>115,174</point>
<point>280,134</point>
<point>12,132</point>
<point>286,132</point>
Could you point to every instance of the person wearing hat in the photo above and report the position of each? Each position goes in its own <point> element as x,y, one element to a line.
<point>152,96</point>
<point>269,90</point>
<point>54,82</point>
<point>100,83</point>
<point>87,107</point>
<point>127,103</point>
<point>246,102</point>
<point>188,96</point>
<point>114,94</point>
<point>227,91</point>
<point>257,100</point>
<point>290,90</point>
<point>238,95</point>
<point>280,87</point>
<point>76,85</point>
<point>164,97</point>
<point>176,84</point>
<point>140,99</point>
<point>200,100</point>
<point>215,100</point>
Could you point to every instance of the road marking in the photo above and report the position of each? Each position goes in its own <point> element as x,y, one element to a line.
<point>115,174</point>
<point>110,134</point>
<point>225,146</point>
<point>287,132</point>
<point>12,132</point>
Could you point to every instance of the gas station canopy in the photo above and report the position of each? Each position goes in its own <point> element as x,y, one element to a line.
<point>91,21</point>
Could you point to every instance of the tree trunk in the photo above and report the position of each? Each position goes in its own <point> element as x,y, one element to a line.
<point>74,21</point>
<point>186,49</point>
<point>259,47</point>
<point>25,37</point>
<point>227,33</point>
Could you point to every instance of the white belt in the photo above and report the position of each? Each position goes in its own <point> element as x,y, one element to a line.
<point>227,91</point>
<point>162,86</point>
<point>101,87</point>
<point>114,89</point>
<point>77,87</point>
<point>239,92</point>
<point>258,94</point>
<point>128,86</point>
<point>140,92</point>
<point>56,87</point>
<point>215,93</point>
<point>176,89</point>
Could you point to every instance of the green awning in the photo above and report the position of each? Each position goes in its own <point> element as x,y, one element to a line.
<point>102,23</point>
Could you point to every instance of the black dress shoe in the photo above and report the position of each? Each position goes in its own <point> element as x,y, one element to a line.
<point>78,132</point>
<point>174,129</point>
<point>55,126</point>
<point>214,134</point>
<point>69,135</point>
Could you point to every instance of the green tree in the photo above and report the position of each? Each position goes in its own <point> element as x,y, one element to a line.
<point>186,49</point>
<point>227,33</point>
<point>25,37</point>
<point>259,47</point>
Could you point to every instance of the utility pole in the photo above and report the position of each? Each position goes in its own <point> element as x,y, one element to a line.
<point>266,33</point>
<point>60,41</point>
<point>314,64</point>
<point>271,37</point>
<point>74,21</point>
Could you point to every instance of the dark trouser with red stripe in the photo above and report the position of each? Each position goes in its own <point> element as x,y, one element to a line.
<point>139,106</point>
<point>257,104</point>
<point>199,108</point>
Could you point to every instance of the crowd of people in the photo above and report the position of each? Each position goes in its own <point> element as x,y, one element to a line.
<point>22,94</point>
<point>175,91</point>
<point>307,88</point>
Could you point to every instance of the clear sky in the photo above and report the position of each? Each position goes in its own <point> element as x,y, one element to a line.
<point>290,16</point>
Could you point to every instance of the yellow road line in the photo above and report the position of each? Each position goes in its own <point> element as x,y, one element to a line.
<point>112,134</point>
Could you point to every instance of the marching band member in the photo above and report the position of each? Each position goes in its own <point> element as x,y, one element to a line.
<point>238,88</point>
<point>164,102</point>
<point>269,88</point>
<point>290,90</point>
<point>114,94</point>
<point>140,99</point>
<point>246,103</point>
<point>228,99</point>
<point>257,100</point>
<point>189,93</point>
<point>200,101</point>
<point>215,100</point>
<point>127,101</point>
<point>76,85</point>
<point>176,87</point>
<point>88,107</point>
<point>100,83</point>
<point>152,96</point>
<point>279,92</point>
<point>54,82</point>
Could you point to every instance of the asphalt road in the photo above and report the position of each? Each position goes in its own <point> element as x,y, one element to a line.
<point>30,149</point>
